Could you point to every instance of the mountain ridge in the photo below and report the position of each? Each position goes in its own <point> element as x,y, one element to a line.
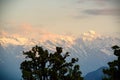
<point>89,51</point>
<point>95,75</point>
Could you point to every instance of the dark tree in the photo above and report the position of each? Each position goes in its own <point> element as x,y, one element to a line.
<point>42,65</point>
<point>113,72</point>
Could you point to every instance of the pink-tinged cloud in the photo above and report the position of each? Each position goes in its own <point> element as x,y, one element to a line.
<point>28,31</point>
<point>25,30</point>
<point>2,32</point>
<point>31,36</point>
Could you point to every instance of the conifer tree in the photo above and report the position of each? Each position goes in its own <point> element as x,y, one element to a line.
<point>113,72</point>
<point>42,65</point>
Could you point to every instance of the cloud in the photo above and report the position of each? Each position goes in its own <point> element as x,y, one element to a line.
<point>94,1</point>
<point>99,7</point>
<point>102,12</point>
<point>24,29</point>
<point>101,2</point>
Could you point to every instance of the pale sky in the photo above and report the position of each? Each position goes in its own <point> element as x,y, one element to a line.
<point>60,16</point>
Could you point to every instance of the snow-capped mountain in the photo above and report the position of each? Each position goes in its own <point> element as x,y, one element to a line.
<point>92,49</point>
<point>88,39</point>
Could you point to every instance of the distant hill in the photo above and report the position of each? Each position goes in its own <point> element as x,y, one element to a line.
<point>95,75</point>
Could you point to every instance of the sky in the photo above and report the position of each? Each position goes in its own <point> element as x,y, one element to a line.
<point>59,16</point>
<point>43,17</point>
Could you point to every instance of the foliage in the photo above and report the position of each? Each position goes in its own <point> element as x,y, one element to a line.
<point>42,65</point>
<point>113,72</point>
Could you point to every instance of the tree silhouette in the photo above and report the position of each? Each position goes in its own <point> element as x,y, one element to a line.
<point>113,73</point>
<point>42,65</point>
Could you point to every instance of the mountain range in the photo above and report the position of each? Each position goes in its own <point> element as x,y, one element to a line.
<point>92,49</point>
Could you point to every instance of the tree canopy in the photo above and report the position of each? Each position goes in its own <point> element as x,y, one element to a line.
<point>42,65</point>
<point>113,72</point>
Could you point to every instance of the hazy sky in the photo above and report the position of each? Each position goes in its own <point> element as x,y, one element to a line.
<point>60,16</point>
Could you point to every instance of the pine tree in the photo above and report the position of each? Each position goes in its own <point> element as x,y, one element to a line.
<point>42,65</point>
<point>113,72</point>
